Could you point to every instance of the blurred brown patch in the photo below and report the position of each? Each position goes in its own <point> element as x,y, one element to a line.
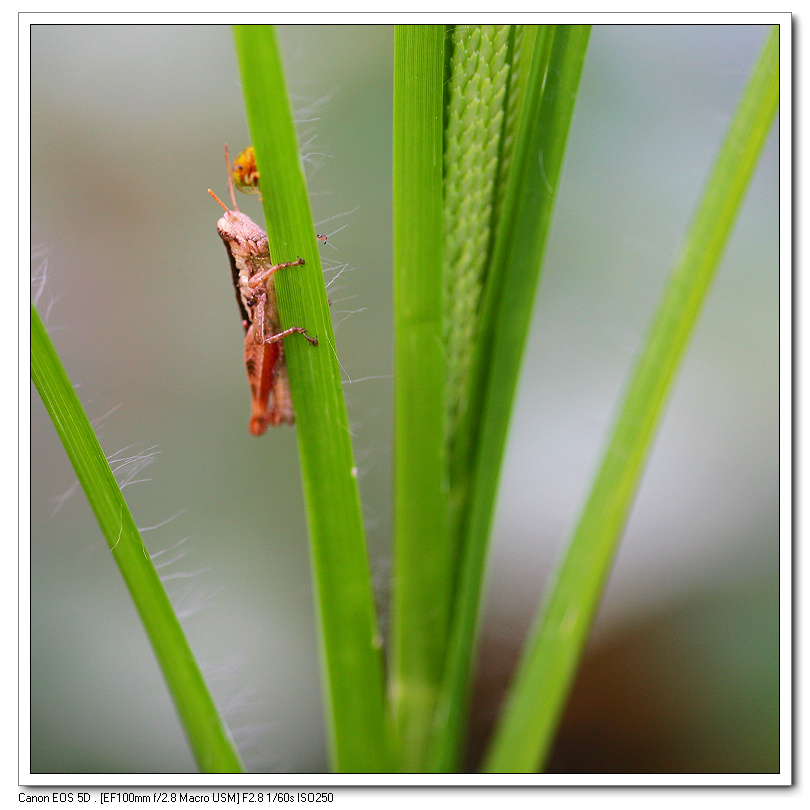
<point>693,690</point>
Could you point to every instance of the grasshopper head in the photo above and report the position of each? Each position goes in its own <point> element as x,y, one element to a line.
<point>240,233</point>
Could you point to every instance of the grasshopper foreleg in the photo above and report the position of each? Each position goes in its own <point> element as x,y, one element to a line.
<point>259,278</point>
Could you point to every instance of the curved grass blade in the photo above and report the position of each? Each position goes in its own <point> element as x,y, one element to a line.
<point>212,747</point>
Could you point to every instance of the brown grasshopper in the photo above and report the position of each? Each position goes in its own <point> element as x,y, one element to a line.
<point>252,271</point>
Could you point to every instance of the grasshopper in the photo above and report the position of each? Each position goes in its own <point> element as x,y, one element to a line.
<point>252,271</point>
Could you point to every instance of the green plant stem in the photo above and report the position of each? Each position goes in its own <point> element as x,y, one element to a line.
<point>423,570</point>
<point>547,668</point>
<point>555,69</point>
<point>212,747</point>
<point>351,645</point>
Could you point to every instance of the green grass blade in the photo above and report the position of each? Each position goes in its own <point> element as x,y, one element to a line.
<point>351,646</point>
<point>547,668</point>
<point>423,571</point>
<point>207,735</point>
<point>554,70</point>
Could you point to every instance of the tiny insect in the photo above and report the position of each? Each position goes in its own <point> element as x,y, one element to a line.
<point>244,172</point>
<point>245,177</point>
<point>252,271</point>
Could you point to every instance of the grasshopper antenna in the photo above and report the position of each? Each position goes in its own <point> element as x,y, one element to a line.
<point>230,185</point>
<point>227,210</point>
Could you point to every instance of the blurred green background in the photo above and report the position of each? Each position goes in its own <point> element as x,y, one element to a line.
<point>127,131</point>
